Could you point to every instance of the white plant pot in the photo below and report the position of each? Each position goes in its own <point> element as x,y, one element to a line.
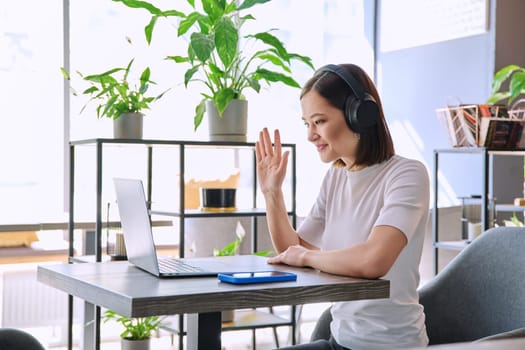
<point>127,344</point>
<point>128,126</point>
<point>232,125</point>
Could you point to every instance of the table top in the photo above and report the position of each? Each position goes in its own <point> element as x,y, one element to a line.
<point>122,287</point>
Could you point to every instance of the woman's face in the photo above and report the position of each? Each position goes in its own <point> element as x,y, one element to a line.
<point>327,129</point>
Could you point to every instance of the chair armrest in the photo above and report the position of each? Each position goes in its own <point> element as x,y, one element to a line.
<point>515,333</point>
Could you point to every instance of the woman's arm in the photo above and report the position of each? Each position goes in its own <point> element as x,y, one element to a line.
<point>271,171</point>
<point>370,259</point>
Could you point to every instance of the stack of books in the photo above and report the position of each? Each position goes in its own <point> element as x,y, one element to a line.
<point>483,125</point>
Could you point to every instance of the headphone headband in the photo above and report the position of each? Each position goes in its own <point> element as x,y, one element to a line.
<point>347,78</point>
<point>361,112</point>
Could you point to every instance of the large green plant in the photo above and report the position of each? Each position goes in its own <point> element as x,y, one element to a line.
<point>213,52</point>
<point>137,328</point>
<point>516,85</point>
<point>113,93</point>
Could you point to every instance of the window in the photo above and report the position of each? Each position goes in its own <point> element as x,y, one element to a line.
<point>31,136</point>
<point>106,34</point>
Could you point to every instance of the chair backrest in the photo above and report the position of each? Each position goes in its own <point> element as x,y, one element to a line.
<point>481,292</point>
<point>16,339</point>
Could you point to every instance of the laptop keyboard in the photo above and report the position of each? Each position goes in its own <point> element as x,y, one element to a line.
<point>175,265</point>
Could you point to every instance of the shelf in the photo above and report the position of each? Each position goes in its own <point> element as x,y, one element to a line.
<point>509,207</point>
<point>489,207</point>
<point>184,151</point>
<point>242,320</point>
<point>152,142</point>
<point>163,250</point>
<point>491,150</point>
<point>197,213</point>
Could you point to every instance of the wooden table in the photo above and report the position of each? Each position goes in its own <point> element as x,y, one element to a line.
<point>132,292</point>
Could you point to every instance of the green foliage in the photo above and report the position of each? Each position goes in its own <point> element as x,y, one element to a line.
<point>516,85</point>
<point>229,249</point>
<point>213,51</point>
<point>134,328</point>
<point>114,94</point>
<point>233,247</point>
<point>514,221</point>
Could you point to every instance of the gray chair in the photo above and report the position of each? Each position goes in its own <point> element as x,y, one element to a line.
<point>15,339</point>
<point>481,292</point>
<point>479,295</point>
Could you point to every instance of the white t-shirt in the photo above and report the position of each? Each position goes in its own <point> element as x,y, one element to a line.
<point>349,205</point>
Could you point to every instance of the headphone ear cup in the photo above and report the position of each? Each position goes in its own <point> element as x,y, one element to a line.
<point>361,114</point>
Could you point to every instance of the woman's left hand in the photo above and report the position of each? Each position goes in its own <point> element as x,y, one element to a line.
<point>271,162</point>
<point>294,255</point>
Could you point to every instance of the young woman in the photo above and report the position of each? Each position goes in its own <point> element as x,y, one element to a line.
<point>370,216</point>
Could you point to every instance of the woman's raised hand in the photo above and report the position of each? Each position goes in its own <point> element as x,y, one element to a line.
<point>271,161</point>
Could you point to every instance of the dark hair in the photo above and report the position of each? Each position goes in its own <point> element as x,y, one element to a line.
<point>375,144</point>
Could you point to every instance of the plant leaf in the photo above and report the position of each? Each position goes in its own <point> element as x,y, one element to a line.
<point>502,75</point>
<point>178,59</point>
<point>517,85</point>
<point>187,23</point>
<point>276,77</point>
<point>90,90</point>
<point>189,74</point>
<point>226,41</point>
<point>99,77</point>
<point>498,96</point>
<point>214,8</point>
<point>305,59</point>
<point>173,13</point>
<point>148,29</point>
<point>126,72</point>
<point>272,40</point>
<point>263,253</point>
<point>141,4</point>
<point>144,77</point>
<point>254,84</point>
<point>249,3</point>
<point>265,55</point>
<point>199,114</point>
<point>222,99</point>
<point>202,45</point>
<point>65,73</point>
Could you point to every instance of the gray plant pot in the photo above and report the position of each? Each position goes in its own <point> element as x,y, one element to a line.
<point>233,124</point>
<point>127,344</point>
<point>128,126</point>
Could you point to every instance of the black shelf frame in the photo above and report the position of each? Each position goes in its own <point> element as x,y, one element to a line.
<point>486,201</point>
<point>150,144</point>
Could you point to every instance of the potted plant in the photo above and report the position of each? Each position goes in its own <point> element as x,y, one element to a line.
<point>218,63</point>
<point>137,331</point>
<point>516,85</point>
<point>118,100</point>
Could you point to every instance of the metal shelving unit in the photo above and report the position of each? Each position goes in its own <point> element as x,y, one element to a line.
<point>486,199</point>
<point>181,148</point>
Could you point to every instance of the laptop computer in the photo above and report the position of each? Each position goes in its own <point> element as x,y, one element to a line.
<point>140,245</point>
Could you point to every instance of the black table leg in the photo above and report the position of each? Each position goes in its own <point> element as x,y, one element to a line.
<point>204,331</point>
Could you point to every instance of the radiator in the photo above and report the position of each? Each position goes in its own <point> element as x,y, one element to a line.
<point>27,303</point>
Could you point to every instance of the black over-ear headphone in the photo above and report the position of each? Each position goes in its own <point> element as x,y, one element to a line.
<point>361,112</point>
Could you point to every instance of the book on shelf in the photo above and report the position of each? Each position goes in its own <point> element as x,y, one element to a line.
<point>483,125</point>
<point>496,129</point>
